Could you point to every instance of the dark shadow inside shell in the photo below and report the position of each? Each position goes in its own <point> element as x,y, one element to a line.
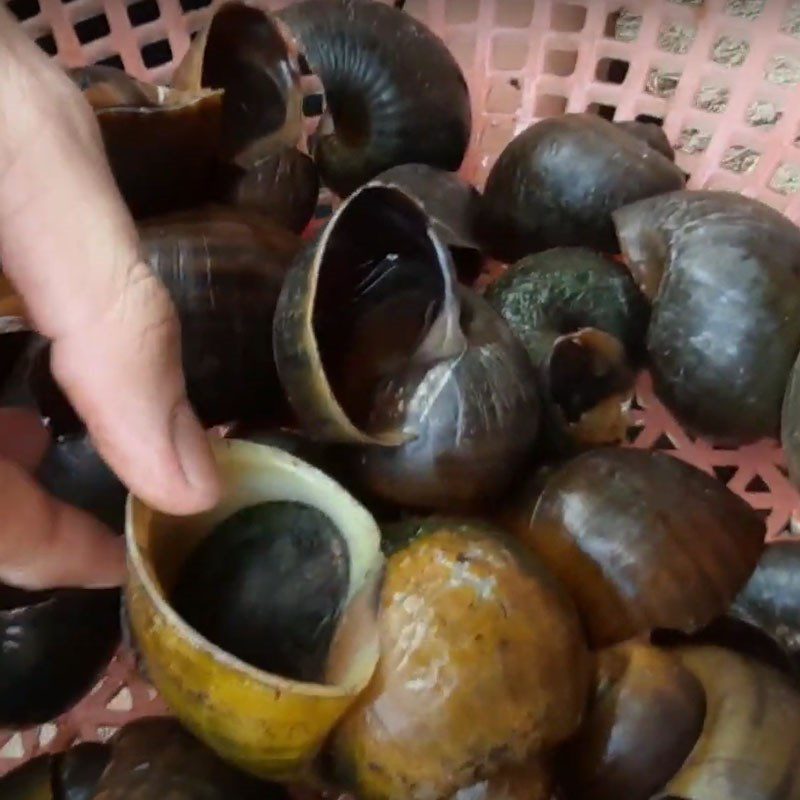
<point>268,585</point>
<point>379,266</point>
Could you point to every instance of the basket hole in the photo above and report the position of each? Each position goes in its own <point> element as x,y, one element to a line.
<point>513,13</point>
<point>676,37</point>
<point>156,54</point>
<point>143,11</point>
<point>603,110</point>
<point>662,82</point>
<point>784,70</point>
<point>568,18</point>
<point>92,29</point>
<point>757,485</point>
<point>509,51</point>
<point>730,51</point>
<point>112,61</point>
<point>23,9</point>
<point>664,443</point>
<point>623,25</point>
<point>503,97</point>
<point>693,140</point>
<point>612,70</point>
<point>461,12</point>
<point>791,20</point>
<point>725,474</point>
<point>194,5</point>
<point>649,118</point>
<point>786,179</point>
<point>550,105</point>
<point>740,159</point>
<point>746,9</point>
<point>313,105</point>
<point>712,97</point>
<point>560,62</point>
<point>763,113</point>
<point>692,3</point>
<point>48,44</point>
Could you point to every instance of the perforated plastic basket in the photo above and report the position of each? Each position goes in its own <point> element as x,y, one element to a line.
<point>722,75</point>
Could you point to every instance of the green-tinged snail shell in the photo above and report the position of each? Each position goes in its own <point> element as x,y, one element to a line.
<point>156,758</point>
<point>224,270</point>
<point>723,273</point>
<point>641,541</point>
<point>530,781</point>
<point>376,260</point>
<point>771,598</point>
<point>249,54</point>
<point>53,647</point>
<point>470,421</point>
<point>583,321</point>
<point>644,718</point>
<point>751,736</point>
<point>452,204</point>
<point>650,133</point>
<point>483,664</point>
<point>283,186</point>
<point>558,183</point>
<point>394,92</point>
<point>267,723</point>
<point>161,143</point>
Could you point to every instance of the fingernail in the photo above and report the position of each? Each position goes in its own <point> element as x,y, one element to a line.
<point>194,453</point>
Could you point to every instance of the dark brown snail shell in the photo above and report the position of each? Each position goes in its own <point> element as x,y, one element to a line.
<point>644,718</point>
<point>283,186</point>
<point>470,421</point>
<point>771,598</point>
<point>381,111</point>
<point>248,53</point>
<point>583,321</point>
<point>483,665</point>
<point>224,270</point>
<point>723,273</point>
<point>622,530</point>
<point>558,183</point>
<point>161,143</point>
<point>790,423</point>
<point>376,259</point>
<point>453,206</point>
<point>650,133</point>
<point>751,734</point>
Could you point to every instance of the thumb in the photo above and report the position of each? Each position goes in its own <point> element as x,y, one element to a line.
<point>70,248</point>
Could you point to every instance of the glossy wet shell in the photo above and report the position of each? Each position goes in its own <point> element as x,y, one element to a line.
<point>751,738</point>
<point>384,112</point>
<point>558,183</point>
<point>482,663</point>
<point>790,424</point>
<point>641,541</point>
<point>643,720</point>
<point>53,647</point>
<point>723,272</point>
<point>224,271</point>
<point>471,420</point>
<point>531,781</point>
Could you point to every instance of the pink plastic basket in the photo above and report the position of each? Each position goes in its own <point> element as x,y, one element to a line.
<point>723,76</point>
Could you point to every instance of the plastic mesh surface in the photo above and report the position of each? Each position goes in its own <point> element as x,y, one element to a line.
<point>721,75</point>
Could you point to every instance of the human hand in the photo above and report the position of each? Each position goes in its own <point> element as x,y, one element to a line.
<point>69,247</point>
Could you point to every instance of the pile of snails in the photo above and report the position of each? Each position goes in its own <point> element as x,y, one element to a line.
<point>434,572</point>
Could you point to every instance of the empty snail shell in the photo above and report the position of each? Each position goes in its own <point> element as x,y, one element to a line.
<point>723,273</point>
<point>376,259</point>
<point>751,735</point>
<point>644,718</point>
<point>161,143</point>
<point>558,183</point>
<point>283,186</point>
<point>473,628</point>
<point>530,781</point>
<point>380,112</point>
<point>470,420</point>
<point>771,598</point>
<point>582,321</point>
<point>620,527</point>
<point>248,53</point>
<point>452,204</point>
<point>263,722</point>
